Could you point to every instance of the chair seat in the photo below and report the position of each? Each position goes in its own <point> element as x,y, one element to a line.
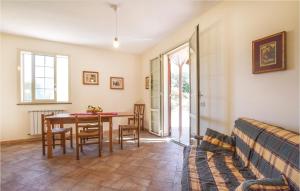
<point>60,130</point>
<point>57,136</point>
<point>88,125</point>
<point>88,133</point>
<point>128,127</point>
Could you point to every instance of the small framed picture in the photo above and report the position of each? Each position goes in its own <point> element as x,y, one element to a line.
<point>269,53</point>
<point>90,78</point>
<point>147,82</point>
<point>116,83</point>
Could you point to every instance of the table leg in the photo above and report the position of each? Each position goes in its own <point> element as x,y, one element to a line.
<point>49,139</point>
<point>63,142</point>
<point>110,135</point>
<point>63,138</point>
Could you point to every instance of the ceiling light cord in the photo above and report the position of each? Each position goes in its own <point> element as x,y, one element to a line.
<point>116,42</point>
<point>117,21</point>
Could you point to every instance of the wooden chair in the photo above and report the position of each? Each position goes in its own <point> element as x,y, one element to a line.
<point>139,108</point>
<point>58,134</point>
<point>130,129</point>
<point>88,128</point>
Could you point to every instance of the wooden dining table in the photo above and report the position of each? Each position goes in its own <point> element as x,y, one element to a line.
<point>67,118</point>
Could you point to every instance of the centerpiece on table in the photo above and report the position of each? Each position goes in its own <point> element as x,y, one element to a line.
<point>94,109</point>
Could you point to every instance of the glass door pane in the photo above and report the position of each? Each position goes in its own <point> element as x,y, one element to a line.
<point>155,66</point>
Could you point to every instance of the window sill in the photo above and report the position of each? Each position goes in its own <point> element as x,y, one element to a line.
<point>49,103</point>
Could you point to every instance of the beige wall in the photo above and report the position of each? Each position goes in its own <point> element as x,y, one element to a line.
<point>235,91</point>
<point>15,118</point>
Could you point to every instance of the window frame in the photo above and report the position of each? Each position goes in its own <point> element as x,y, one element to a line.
<point>35,101</point>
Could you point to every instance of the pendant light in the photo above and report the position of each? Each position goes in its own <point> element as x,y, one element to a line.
<point>116,42</point>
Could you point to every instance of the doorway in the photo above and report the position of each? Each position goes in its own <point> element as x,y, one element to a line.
<point>175,92</point>
<point>179,94</point>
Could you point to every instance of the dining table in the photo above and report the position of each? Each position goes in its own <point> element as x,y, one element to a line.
<point>69,118</point>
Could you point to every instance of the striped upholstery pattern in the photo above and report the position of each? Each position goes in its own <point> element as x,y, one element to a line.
<point>246,132</point>
<point>262,151</point>
<point>276,152</point>
<point>266,184</point>
<point>215,141</point>
<point>205,171</point>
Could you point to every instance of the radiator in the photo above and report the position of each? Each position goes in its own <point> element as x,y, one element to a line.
<point>35,120</point>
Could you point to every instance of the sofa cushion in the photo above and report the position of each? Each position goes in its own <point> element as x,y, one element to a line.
<point>246,132</point>
<point>214,141</point>
<point>276,152</point>
<point>278,184</point>
<point>205,170</point>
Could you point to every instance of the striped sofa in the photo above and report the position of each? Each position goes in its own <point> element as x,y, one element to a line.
<point>260,151</point>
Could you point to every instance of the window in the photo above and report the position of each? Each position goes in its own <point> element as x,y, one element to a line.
<point>44,78</point>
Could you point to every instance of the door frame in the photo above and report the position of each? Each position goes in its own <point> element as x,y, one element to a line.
<point>198,82</point>
<point>160,133</point>
<point>169,96</point>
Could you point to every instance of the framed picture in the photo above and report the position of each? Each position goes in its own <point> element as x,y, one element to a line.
<point>116,83</point>
<point>90,78</point>
<point>269,53</point>
<point>147,82</point>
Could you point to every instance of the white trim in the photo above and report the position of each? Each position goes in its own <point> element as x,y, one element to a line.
<point>20,76</point>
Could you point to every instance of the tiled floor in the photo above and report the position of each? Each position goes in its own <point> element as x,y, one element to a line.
<point>155,165</point>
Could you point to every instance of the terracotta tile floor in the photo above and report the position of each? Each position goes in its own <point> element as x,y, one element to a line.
<point>155,165</point>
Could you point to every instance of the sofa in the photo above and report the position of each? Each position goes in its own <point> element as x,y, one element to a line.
<point>254,157</point>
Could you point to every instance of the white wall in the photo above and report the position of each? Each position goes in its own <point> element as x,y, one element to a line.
<point>273,97</point>
<point>15,118</point>
<point>270,97</point>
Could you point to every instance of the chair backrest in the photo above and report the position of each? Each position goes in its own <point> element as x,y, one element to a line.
<point>44,122</point>
<point>139,108</point>
<point>136,119</point>
<point>88,121</point>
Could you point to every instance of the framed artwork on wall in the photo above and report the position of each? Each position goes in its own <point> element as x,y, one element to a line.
<point>147,82</point>
<point>116,83</point>
<point>90,78</point>
<point>269,53</point>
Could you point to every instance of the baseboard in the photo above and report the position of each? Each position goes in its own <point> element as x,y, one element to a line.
<point>18,141</point>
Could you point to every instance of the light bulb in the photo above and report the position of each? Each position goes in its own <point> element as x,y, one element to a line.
<point>116,43</point>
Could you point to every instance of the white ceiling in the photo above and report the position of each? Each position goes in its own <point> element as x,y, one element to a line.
<point>142,23</point>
